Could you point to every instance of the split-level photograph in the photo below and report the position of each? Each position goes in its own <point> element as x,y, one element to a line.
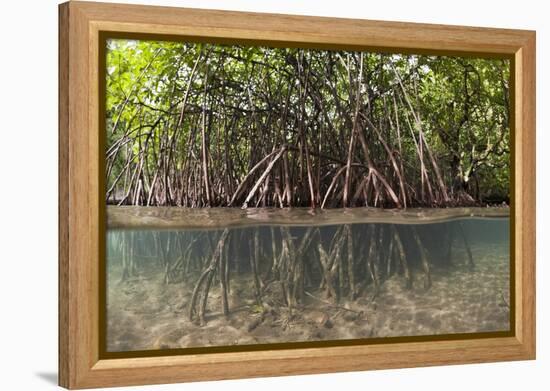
<point>262,195</point>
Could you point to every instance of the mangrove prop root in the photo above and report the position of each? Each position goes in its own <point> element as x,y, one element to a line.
<point>132,253</point>
<point>300,261</point>
<point>254,262</point>
<point>351,272</point>
<point>325,260</point>
<point>423,259</point>
<point>204,298</point>
<point>284,265</point>
<point>263,176</point>
<point>336,261</point>
<point>227,270</point>
<point>223,277</point>
<point>128,255</point>
<point>124,249</point>
<point>380,251</point>
<point>371,235</point>
<point>402,257</point>
<point>327,275</point>
<point>206,276</point>
<point>390,257</point>
<point>466,244</point>
<point>450,240</point>
<point>183,261</point>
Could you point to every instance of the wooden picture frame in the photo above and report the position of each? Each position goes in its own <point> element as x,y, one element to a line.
<point>80,214</point>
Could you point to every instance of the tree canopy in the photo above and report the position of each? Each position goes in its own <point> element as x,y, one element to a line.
<point>196,124</point>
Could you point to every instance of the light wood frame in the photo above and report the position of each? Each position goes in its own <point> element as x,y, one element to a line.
<point>80,24</point>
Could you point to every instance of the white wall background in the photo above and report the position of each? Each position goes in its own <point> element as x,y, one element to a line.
<point>28,193</point>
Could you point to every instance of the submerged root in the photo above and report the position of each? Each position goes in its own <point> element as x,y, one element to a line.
<point>351,266</point>
<point>370,258</point>
<point>467,245</point>
<point>206,279</point>
<point>128,256</point>
<point>402,257</point>
<point>254,263</point>
<point>224,280</point>
<point>423,259</point>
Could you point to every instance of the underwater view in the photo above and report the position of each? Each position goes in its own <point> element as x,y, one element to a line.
<point>304,277</point>
<point>261,195</point>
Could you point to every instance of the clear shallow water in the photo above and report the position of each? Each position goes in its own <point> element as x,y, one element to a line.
<point>183,286</point>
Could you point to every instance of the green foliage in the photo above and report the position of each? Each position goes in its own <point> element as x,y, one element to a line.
<point>248,101</point>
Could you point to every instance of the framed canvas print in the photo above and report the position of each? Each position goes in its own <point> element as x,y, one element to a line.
<point>255,195</point>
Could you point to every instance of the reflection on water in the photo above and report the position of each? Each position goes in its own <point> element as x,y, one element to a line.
<point>193,287</point>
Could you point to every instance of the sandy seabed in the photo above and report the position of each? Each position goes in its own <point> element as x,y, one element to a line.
<point>143,313</point>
